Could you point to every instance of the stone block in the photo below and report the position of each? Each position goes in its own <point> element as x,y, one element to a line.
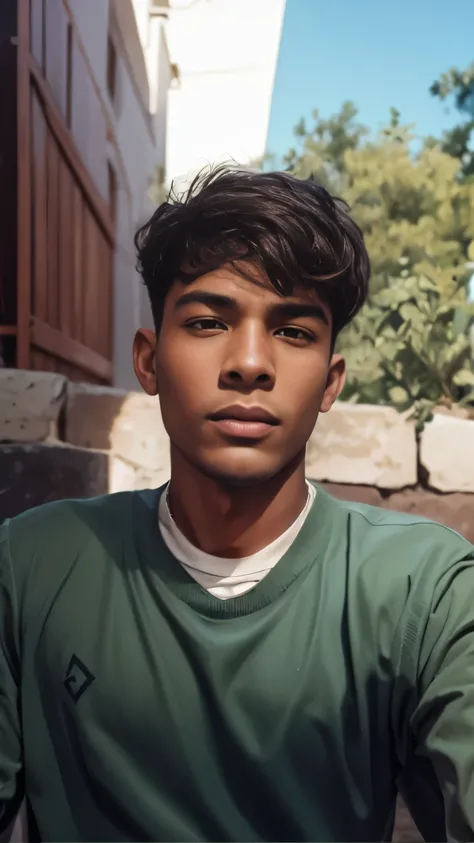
<point>122,475</point>
<point>146,479</point>
<point>447,453</point>
<point>31,475</point>
<point>30,405</point>
<point>405,830</point>
<point>128,424</point>
<point>19,832</point>
<point>453,510</point>
<point>355,494</point>
<point>125,477</point>
<point>363,445</point>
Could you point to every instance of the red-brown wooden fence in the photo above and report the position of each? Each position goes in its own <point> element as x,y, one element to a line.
<point>56,292</point>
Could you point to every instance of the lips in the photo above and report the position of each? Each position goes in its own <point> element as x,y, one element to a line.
<point>240,422</point>
<point>245,414</point>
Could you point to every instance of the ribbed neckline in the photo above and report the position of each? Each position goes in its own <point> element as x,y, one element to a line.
<point>309,543</point>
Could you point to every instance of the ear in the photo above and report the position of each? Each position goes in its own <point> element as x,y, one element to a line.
<point>144,357</point>
<point>335,382</point>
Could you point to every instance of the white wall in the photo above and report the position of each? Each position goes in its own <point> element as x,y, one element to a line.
<point>159,70</point>
<point>92,20</point>
<point>141,9</point>
<point>153,34</point>
<point>137,148</point>
<point>226,51</point>
<point>135,159</point>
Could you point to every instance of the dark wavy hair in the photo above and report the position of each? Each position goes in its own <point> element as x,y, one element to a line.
<point>292,229</point>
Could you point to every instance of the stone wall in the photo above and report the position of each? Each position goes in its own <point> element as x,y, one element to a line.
<point>59,439</point>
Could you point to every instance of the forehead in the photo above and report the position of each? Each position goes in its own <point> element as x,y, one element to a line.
<point>248,285</point>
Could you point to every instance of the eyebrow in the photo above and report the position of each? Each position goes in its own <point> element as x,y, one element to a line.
<point>284,310</point>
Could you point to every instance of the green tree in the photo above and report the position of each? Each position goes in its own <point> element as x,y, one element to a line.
<point>409,346</point>
<point>321,150</point>
<point>458,86</point>
<point>411,208</point>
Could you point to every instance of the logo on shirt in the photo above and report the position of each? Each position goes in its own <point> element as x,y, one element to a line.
<point>78,678</point>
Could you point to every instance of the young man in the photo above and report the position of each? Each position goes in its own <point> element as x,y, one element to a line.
<point>237,656</point>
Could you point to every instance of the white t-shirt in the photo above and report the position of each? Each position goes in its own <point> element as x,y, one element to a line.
<point>223,577</point>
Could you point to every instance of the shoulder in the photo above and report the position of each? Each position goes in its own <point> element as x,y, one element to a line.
<point>399,566</point>
<point>398,541</point>
<point>42,544</point>
<point>64,521</point>
<point>408,585</point>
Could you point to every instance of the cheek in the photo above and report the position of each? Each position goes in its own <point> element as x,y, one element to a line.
<point>306,394</point>
<point>180,378</point>
<point>308,411</point>
<point>305,381</point>
<point>178,351</point>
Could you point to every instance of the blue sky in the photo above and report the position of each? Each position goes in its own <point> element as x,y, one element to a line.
<point>377,53</point>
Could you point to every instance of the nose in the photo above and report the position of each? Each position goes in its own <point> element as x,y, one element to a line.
<point>249,363</point>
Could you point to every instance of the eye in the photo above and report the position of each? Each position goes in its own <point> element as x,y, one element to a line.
<point>291,332</point>
<point>206,323</point>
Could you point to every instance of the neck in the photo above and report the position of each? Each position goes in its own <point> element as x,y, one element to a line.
<point>234,521</point>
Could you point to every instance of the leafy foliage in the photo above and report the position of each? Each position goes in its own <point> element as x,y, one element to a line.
<point>410,345</point>
<point>459,86</point>
<point>321,150</point>
<point>410,207</point>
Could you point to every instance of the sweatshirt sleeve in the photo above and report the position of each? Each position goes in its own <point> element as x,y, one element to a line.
<point>442,720</point>
<point>11,765</point>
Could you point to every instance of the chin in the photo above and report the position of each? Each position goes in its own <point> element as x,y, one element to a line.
<point>239,470</point>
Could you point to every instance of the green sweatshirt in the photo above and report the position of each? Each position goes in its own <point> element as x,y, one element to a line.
<point>136,706</point>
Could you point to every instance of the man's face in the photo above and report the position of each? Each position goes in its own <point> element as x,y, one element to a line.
<point>242,374</point>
